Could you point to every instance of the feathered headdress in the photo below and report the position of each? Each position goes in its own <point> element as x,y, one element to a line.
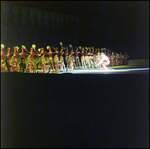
<point>23,47</point>
<point>61,43</point>
<point>70,46</point>
<point>2,46</point>
<point>33,46</point>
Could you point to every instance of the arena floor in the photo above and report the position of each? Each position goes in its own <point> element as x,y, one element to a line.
<point>110,70</point>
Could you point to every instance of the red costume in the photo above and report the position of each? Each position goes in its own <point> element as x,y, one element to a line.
<point>50,54</point>
<point>8,54</point>
<point>3,54</point>
<point>23,55</point>
<point>76,54</point>
<point>13,64</point>
<point>32,54</point>
<point>23,62</point>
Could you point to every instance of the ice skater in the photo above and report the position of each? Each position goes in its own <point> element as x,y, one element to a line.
<point>104,61</point>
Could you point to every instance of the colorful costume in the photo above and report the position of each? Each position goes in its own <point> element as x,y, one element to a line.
<point>43,64</point>
<point>104,61</point>
<point>3,64</point>
<point>8,54</point>
<point>77,61</point>
<point>23,62</point>
<point>14,64</point>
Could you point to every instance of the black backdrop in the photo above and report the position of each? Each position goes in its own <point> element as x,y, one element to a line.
<point>120,26</point>
<point>25,25</point>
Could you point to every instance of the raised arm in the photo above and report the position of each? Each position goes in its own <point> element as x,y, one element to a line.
<point>36,51</point>
<point>26,50</point>
<point>36,54</point>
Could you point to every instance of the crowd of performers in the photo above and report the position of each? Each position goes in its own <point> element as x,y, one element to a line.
<point>52,61</point>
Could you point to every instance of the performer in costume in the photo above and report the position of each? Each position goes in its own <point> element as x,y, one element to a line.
<point>39,52</point>
<point>14,61</point>
<point>31,64</point>
<point>112,59</point>
<point>3,65</point>
<point>32,53</point>
<point>98,52</point>
<point>104,61</point>
<point>77,61</point>
<point>56,63</point>
<point>50,54</point>
<point>8,54</point>
<point>86,58</point>
<point>82,58</point>
<point>70,61</point>
<point>66,57</point>
<point>121,59</point>
<point>43,64</point>
<point>126,58</point>
<point>3,54</point>
<point>92,55</point>
<point>72,55</point>
<point>23,62</point>
<point>16,52</point>
<point>117,59</point>
<point>14,64</point>
<point>61,58</point>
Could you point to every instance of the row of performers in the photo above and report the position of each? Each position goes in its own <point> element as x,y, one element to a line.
<point>88,58</point>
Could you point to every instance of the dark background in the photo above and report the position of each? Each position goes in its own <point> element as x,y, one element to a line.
<point>105,110</point>
<point>68,110</point>
<point>120,26</point>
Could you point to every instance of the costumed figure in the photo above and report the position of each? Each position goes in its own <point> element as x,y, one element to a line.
<point>117,59</point>
<point>98,53</point>
<point>72,55</point>
<point>94,54</point>
<point>121,58</point>
<point>82,57</point>
<point>23,61</point>
<point>56,63</point>
<point>66,57</point>
<point>31,52</point>
<point>43,64</point>
<point>57,52</point>
<point>50,58</point>
<point>86,58</point>
<point>112,59</point>
<point>90,57</point>
<point>126,58</point>
<point>14,61</point>
<point>31,64</point>
<point>77,61</point>
<point>8,54</point>
<point>61,58</point>
<point>39,52</point>
<point>3,54</point>
<point>70,61</point>
<point>104,61</point>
